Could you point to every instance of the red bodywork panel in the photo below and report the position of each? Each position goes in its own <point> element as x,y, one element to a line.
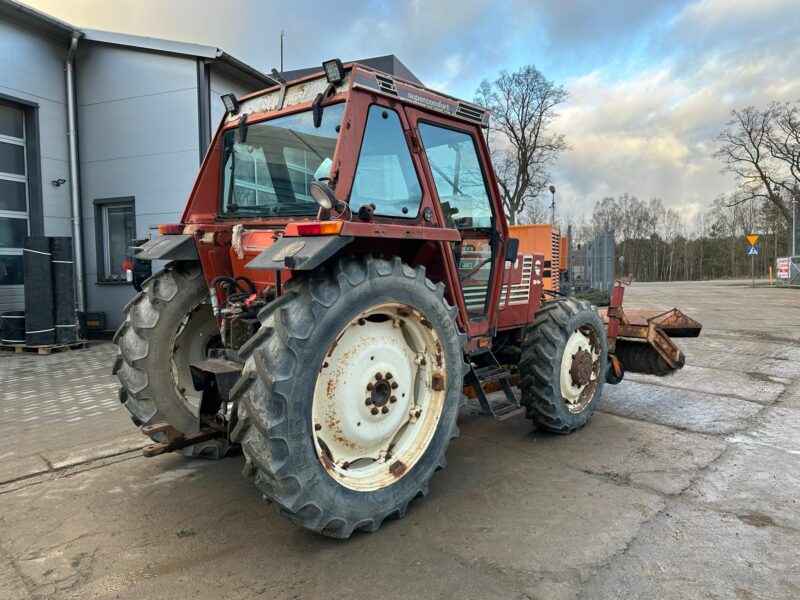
<point>514,293</point>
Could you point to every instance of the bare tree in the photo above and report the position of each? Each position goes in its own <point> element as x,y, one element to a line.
<point>745,151</point>
<point>536,212</point>
<point>783,142</point>
<point>523,105</point>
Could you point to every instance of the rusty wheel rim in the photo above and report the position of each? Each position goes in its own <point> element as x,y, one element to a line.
<point>379,396</point>
<point>580,368</point>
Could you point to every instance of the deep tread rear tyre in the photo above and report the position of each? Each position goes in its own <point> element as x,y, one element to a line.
<point>275,423</point>
<point>144,351</point>
<point>540,364</point>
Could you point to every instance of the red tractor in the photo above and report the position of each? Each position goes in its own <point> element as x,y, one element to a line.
<point>342,273</point>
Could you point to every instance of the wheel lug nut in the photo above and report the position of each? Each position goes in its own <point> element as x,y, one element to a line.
<point>393,399</point>
<point>370,387</point>
<point>368,401</point>
<point>378,376</point>
<point>394,385</point>
<point>418,413</point>
<point>388,376</point>
<point>385,409</point>
<point>374,410</point>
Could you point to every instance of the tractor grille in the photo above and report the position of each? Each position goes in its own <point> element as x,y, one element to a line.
<point>555,262</point>
<point>386,85</point>
<point>474,296</point>
<point>520,292</point>
<point>472,113</point>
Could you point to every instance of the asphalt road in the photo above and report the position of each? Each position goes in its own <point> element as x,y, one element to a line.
<point>678,488</point>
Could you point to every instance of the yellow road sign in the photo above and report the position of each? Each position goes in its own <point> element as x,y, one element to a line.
<point>752,239</point>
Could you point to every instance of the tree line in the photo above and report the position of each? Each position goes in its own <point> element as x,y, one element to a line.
<point>655,243</point>
<point>759,147</point>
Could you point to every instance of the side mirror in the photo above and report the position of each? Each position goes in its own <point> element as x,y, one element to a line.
<point>512,249</point>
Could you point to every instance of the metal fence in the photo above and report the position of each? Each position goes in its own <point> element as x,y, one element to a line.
<point>591,264</point>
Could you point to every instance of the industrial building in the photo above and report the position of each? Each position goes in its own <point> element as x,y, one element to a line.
<point>101,136</point>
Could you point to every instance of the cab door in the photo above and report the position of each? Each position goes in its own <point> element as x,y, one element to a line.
<point>452,156</point>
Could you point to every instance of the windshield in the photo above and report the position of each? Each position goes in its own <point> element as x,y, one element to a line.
<point>268,172</point>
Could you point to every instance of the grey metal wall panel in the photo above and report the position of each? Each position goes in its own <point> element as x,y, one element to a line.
<point>108,298</point>
<point>137,113</point>
<point>222,84</point>
<point>146,126</point>
<point>32,71</point>
<point>32,63</point>
<point>109,73</point>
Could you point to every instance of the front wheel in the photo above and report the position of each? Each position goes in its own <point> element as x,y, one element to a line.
<point>350,394</point>
<point>167,327</point>
<point>563,365</point>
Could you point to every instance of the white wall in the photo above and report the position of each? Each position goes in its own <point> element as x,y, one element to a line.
<point>137,113</point>
<point>32,70</point>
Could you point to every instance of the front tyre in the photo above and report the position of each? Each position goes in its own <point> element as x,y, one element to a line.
<point>563,365</point>
<point>167,327</point>
<point>350,394</point>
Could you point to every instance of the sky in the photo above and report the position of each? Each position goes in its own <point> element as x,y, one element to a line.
<point>651,82</point>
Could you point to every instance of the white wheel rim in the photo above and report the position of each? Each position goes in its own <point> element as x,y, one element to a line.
<point>578,394</point>
<point>379,397</point>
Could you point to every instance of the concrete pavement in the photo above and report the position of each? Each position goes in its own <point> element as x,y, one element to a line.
<point>681,487</point>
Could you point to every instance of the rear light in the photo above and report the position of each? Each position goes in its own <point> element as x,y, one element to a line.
<point>313,228</point>
<point>170,229</point>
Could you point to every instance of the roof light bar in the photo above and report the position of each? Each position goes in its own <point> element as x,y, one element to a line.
<point>231,103</point>
<point>334,70</point>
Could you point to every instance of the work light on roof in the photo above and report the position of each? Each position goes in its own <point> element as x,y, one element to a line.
<point>334,70</point>
<point>231,103</point>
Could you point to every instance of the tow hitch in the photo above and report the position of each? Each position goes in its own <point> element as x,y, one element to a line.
<point>215,379</point>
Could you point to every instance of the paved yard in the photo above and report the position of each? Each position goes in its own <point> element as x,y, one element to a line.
<point>681,487</point>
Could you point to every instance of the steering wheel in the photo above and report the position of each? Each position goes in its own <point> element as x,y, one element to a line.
<point>476,268</point>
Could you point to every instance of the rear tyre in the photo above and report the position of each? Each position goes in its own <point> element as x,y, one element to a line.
<point>563,365</point>
<point>167,327</point>
<point>350,394</point>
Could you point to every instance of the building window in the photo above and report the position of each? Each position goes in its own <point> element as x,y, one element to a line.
<point>116,229</point>
<point>14,225</point>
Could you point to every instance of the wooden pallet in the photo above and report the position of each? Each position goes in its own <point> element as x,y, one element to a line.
<point>44,350</point>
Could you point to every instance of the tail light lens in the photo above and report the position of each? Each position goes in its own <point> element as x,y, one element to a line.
<point>314,228</point>
<point>171,229</point>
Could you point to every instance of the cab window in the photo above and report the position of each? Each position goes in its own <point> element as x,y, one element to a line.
<point>385,175</point>
<point>458,177</point>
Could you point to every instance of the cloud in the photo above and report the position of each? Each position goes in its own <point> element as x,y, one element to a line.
<point>651,83</point>
<point>652,132</point>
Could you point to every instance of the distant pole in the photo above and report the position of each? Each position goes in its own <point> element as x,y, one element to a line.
<point>569,259</point>
<point>794,220</point>
<point>553,204</point>
<point>281,50</point>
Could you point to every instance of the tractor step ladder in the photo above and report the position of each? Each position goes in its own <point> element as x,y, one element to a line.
<point>484,369</point>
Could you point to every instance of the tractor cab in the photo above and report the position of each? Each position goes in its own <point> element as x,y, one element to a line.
<point>371,162</point>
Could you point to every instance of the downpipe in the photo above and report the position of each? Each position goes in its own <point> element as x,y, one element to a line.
<point>74,184</point>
